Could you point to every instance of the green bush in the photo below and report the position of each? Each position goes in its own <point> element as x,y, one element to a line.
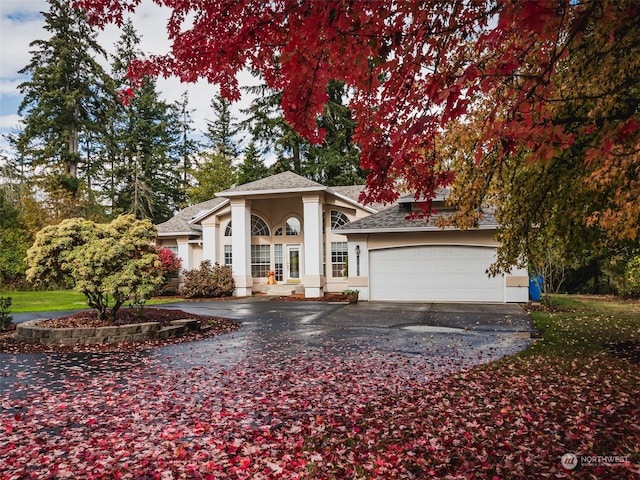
<point>208,281</point>
<point>629,285</point>
<point>114,262</point>
<point>5,318</point>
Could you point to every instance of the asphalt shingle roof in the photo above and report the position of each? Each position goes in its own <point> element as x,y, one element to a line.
<point>275,183</point>
<point>280,181</point>
<point>180,221</point>
<point>395,218</point>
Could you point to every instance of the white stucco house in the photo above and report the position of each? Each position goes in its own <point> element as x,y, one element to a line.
<point>320,239</point>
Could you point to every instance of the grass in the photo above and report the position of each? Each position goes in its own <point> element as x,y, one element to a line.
<point>54,300</point>
<point>579,327</point>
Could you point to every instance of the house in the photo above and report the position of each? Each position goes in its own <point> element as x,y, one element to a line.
<point>319,239</point>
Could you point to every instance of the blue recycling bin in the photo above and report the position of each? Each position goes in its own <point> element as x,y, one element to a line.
<point>535,288</point>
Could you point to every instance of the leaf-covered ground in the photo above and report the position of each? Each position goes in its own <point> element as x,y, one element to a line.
<point>324,413</point>
<point>319,415</point>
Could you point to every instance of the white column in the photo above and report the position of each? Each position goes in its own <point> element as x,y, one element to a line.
<point>184,252</point>
<point>241,246</point>
<point>210,241</point>
<point>313,279</point>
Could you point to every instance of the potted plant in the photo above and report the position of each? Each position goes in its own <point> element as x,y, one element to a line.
<point>352,295</point>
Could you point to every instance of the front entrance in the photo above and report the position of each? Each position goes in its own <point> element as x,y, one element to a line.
<point>293,264</point>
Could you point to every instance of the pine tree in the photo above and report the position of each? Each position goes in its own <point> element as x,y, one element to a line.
<point>253,167</point>
<point>216,170</point>
<point>333,162</point>
<point>65,98</point>
<point>187,146</point>
<point>145,176</point>
<point>221,131</point>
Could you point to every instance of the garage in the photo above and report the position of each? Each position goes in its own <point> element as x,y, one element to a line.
<point>434,273</point>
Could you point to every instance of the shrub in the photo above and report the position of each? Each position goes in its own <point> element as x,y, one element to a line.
<point>208,281</point>
<point>5,318</point>
<point>170,265</point>
<point>115,261</point>
<point>629,284</point>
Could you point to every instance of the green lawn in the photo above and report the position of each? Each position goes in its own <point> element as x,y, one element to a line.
<point>54,300</point>
<point>584,326</point>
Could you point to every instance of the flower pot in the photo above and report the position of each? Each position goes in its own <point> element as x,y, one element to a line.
<point>352,297</point>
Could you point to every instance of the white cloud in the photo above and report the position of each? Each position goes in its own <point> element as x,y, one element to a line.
<point>10,122</point>
<point>21,23</point>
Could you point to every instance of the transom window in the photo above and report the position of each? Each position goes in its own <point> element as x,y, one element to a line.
<point>259,228</point>
<point>338,219</point>
<point>292,227</point>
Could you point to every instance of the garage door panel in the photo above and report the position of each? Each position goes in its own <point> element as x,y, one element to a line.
<point>434,273</point>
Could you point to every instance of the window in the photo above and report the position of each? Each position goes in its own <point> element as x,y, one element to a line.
<point>293,226</point>
<point>259,227</point>
<point>338,219</point>
<point>228,258</point>
<point>278,262</point>
<point>278,232</point>
<point>339,255</point>
<point>260,260</point>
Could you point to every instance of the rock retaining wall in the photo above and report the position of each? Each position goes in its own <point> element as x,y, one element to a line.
<point>33,332</point>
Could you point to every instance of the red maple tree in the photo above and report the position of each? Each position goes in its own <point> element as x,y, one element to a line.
<point>414,66</point>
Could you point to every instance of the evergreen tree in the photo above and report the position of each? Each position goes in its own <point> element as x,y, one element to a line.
<point>222,130</point>
<point>216,171</point>
<point>253,167</point>
<point>187,146</point>
<point>145,175</point>
<point>64,100</point>
<point>267,125</point>
<point>334,162</point>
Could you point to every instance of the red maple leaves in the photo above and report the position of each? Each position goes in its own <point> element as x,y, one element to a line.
<point>415,66</point>
<point>316,415</point>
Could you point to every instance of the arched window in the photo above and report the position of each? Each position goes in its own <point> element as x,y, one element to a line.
<point>292,227</point>
<point>338,219</point>
<point>278,232</point>
<point>258,228</point>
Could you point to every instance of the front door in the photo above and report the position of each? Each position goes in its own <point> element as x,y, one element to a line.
<point>293,263</point>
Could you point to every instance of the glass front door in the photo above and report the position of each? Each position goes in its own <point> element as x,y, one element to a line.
<point>293,263</point>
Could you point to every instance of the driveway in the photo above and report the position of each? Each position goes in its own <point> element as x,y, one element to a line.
<point>471,331</point>
<point>434,336</point>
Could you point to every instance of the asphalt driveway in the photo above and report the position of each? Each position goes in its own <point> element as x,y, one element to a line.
<point>434,336</point>
<point>470,331</point>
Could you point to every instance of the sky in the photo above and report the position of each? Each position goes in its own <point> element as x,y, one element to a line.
<point>21,23</point>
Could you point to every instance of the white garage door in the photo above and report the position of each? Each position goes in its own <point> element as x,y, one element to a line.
<point>439,273</point>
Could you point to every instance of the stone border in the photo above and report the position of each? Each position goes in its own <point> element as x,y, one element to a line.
<point>32,332</point>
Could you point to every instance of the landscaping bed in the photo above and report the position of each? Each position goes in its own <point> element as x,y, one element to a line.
<point>166,318</point>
